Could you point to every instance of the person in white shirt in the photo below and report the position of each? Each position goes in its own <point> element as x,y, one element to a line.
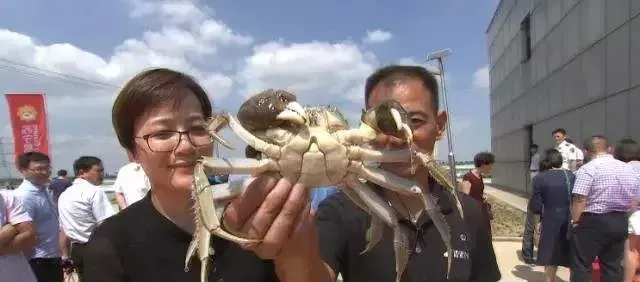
<point>571,155</point>
<point>579,153</point>
<point>534,165</point>
<point>17,235</point>
<point>131,185</point>
<point>83,206</point>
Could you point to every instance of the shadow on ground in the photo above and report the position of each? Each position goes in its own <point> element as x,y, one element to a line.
<point>528,272</point>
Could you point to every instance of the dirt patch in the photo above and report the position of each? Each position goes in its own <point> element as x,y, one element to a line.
<point>507,220</point>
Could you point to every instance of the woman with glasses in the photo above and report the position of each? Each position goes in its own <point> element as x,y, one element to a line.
<point>160,119</point>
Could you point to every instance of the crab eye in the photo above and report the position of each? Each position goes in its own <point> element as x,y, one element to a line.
<point>283,98</point>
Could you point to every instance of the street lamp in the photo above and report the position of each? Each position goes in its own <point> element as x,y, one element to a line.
<point>439,56</point>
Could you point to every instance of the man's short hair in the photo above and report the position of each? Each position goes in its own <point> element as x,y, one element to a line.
<point>37,157</point>
<point>483,158</point>
<point>85,163</point>
<point>62,172</point>
<point>591,144</point>
<point>559,130</point>
<point>627,150</point>
<point>392,73</point>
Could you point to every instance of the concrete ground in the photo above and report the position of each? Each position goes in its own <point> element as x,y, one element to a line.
<point>513,269</point>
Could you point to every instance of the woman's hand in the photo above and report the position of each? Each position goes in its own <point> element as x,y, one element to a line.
<point>272,209</point>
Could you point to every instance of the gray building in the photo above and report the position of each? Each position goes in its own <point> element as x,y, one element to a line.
<point>573,64</point>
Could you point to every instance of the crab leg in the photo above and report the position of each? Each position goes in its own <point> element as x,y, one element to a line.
<point>385,179</point>
<point>207,221</point>
<point>441,177</point>
<point>381,210</point>
<point>239,166</point>
<point>385,156</point>
<point>270,150</point>
<point>375,230</point>
<point>432,209</point>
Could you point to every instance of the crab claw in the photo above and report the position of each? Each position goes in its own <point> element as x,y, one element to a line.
<point>294,113</point>
<point>389,117</point>
<point>221,141</point>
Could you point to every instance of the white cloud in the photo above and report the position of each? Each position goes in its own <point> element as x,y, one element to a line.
<point>480,78</point>
<point>316,71</point>
<point>377,36</point>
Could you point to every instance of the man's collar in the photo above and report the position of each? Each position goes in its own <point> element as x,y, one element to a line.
<point>564,142</point>
<point>82,181</point>
<point>29,186</point>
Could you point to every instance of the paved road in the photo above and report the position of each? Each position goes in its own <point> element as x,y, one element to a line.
<point>514,270</point>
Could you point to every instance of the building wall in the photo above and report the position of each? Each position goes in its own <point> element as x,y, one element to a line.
<point>583,75</point>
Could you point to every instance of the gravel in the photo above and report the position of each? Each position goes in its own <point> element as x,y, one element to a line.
<point>507,221</point>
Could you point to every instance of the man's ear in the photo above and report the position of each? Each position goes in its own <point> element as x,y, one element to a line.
<point>441,123</point>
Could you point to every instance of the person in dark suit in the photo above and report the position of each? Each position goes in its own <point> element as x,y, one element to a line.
<point>551,197</point>
<point>59,184</point>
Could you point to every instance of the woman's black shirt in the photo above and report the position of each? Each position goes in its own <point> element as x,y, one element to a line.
<point>141,245</point>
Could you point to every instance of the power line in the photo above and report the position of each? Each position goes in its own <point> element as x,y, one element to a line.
<point>37,73</point>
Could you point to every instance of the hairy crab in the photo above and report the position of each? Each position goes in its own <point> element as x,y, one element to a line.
<point>315,147</point>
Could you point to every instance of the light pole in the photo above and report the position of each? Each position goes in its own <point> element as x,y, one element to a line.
<point>439,56</point>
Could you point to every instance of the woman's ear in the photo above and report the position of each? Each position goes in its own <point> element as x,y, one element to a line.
<point>131,156</point>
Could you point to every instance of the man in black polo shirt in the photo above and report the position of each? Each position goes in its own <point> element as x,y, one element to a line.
<point>342,225</point>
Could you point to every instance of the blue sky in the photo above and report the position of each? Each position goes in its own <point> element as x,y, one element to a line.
<point>315,47</point>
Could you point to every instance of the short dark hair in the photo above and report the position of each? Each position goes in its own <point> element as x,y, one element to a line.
<point>627,150</point>
<point>483,158</point>
<point>533,146</point>
<point>25,159</point>
<point>392,73</point>
<point>592,143</point>
<point>147,89</point>
<point>85,163</point>
<point>559,130</point>
<point>62,172</point>
<point>552,159</point>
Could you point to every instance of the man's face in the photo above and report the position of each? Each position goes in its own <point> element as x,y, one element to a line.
<point>558,137</point>
<point>37,172</point>
<point>95,175</point>
<point>533,150</point>
<point>427,125</point>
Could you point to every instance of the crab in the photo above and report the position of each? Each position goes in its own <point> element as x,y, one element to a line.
<point>312,146</point>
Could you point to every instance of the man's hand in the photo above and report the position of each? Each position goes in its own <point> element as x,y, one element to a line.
<point>270,209</point>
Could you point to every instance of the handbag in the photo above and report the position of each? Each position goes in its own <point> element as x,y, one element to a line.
<point>568,185</point>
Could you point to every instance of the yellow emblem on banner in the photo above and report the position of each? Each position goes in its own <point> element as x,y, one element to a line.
<point>27,113</point>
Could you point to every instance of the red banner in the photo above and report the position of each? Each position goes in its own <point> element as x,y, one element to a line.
<point>28,122</point>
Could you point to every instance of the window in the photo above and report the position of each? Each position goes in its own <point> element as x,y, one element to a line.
<point>525,29</point>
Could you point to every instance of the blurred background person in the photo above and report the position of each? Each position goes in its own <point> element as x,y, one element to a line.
<point>551,197</point>
<point>473,181</point>
<point>603,193</point>
<point>46,256</point>
<point>131,184</point>
<point>569,151</point>
<point>59,184</point>
<point>83,206</point>
<point>531,218</point>
<point>17,235</point>
<point>628,151</point>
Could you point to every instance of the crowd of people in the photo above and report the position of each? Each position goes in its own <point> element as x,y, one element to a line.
<point>584,205</point>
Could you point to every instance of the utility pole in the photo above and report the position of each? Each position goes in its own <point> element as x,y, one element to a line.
<point>439,57</point>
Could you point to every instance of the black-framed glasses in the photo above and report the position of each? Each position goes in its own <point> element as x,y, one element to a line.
<point>168,140</point>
